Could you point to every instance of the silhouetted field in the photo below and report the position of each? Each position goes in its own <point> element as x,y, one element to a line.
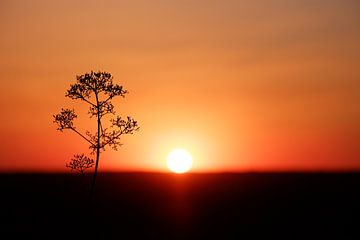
<point>191,206</point>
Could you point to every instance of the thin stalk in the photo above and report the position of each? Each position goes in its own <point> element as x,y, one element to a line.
<point>82,136</point>
<point>97,146</point>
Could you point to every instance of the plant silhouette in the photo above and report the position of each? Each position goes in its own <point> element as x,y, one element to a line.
<point>80,163</point>
<point>97,90</point>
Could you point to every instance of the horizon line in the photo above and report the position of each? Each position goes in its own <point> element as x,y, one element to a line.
<point>293,171</point>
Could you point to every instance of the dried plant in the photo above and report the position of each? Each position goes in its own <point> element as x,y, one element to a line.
<point>80,163</point>
<point>97,90</point>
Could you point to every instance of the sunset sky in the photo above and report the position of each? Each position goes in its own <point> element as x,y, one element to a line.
<point>242,85</point>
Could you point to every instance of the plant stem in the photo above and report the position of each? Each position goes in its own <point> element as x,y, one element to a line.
<point>97,147</point>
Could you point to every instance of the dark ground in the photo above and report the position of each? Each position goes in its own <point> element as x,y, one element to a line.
<point>190,206</point>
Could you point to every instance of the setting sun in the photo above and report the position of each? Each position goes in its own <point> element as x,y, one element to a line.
<point>179,161</point>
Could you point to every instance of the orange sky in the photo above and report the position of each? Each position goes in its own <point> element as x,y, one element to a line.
<point>243,85</point>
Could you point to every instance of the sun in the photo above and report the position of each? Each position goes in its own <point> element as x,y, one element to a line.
<point>179,161</point>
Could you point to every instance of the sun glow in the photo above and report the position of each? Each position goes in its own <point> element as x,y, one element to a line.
<point>179,161</point>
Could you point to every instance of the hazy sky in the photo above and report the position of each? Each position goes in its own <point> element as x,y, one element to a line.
<point>243,85</point>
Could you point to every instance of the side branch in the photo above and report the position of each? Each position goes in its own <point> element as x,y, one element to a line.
<point>124,127</point>
<point>103,102</point>
<point>92,144</point>
<point>84,99</point>
<point>78,91</point>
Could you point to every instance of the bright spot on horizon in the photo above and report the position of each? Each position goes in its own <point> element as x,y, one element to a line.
<point>179,161</point>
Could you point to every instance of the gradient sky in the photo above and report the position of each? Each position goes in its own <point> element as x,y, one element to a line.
<point>243,85</point>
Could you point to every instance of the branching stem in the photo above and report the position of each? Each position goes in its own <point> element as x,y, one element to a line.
<point>83,136</point>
